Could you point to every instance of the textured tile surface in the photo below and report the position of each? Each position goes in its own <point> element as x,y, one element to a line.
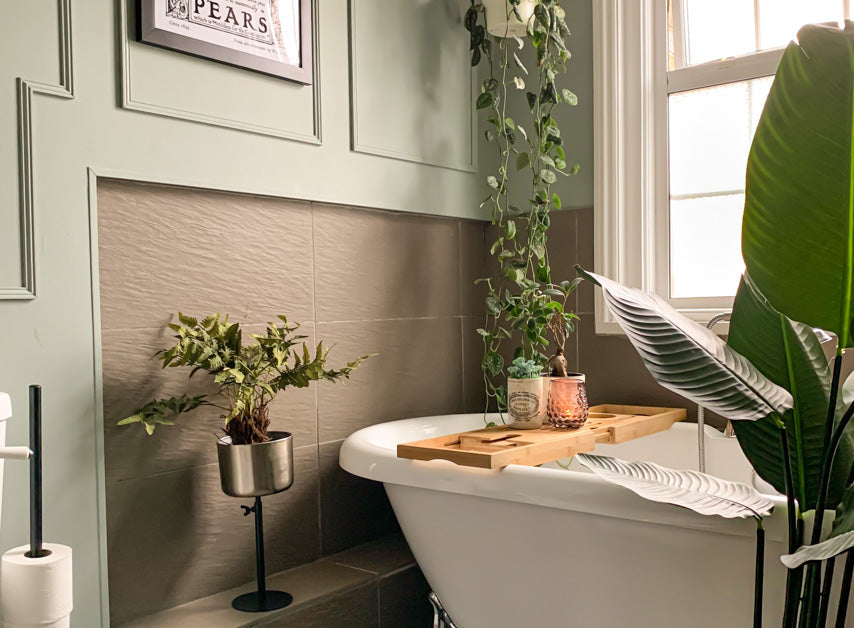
<point>585,244</point>
<point>384,265</point>
<point>132,378</point>
<point>474,397</point>
<point>417,372</point>
<point>473,252</point>
<point>352,509</point>
<point>400,285</point>
<point>165,248</point>
<point>176,537</point>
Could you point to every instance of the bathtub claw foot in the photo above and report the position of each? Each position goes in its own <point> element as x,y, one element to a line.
<point>441,619</point>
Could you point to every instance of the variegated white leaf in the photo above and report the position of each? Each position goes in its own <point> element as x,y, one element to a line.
<point>700,492</point>
<point>689,359</point>
<point>819,551</point>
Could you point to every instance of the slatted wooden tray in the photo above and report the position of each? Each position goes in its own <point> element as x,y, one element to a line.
<point>496,447</point>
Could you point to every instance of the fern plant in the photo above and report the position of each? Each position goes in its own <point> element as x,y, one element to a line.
<point>523,303</point>
<point>249,376</point>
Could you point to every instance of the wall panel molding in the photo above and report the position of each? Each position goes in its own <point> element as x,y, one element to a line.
<point>360,145</point>
<point>128,101</point>
<point>26,203</point>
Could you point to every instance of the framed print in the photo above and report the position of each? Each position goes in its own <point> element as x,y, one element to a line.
<point>268,36</point>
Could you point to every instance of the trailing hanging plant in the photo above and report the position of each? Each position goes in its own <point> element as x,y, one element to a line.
<point>523,302</point>
<point>249,376</point>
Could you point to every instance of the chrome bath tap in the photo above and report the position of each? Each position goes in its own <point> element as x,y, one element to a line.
<point>701,412</point>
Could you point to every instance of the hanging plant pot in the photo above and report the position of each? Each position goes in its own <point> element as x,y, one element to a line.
<point>258,469</point>
<point>501,21</point>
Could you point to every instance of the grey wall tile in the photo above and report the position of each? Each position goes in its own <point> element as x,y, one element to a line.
<point>418,372</point>
<point>373,265</point>
<point>356,608</point>
<point>474,399</point>
<point>403,600</point>
<point>585,244</point>
<point>132,377</point>
<point>563,254</point>
<point>352,510</point>
<point>473,253</point>
<point>176,537</point>
<point>163,249</point>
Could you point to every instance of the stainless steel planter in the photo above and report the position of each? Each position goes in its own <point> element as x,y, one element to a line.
<point>256,470</point>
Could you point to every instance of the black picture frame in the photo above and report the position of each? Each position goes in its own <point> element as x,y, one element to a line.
<point>149,33</point>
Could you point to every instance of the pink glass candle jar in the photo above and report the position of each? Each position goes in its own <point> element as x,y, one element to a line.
<point>567,405</point>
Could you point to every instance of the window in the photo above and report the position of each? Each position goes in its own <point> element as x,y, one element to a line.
<point>679,87</point>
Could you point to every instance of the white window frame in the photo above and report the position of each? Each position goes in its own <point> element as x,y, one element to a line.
<point>631,85</point>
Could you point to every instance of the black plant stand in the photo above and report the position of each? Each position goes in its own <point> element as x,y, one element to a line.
<point>261,600</point>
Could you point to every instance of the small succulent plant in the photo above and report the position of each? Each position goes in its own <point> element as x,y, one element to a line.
<point>523,369</point>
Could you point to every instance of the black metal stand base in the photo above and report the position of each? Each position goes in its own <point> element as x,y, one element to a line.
<point>255,603</point>
<point>261,600</point>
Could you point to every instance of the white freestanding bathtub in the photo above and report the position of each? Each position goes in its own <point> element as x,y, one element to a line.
<point>530,547</point>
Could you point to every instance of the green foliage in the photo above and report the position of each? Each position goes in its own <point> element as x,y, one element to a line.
<point>249,376</point>
<point>798,246</point>
<point>163,411</point>
<point>524,369</point>
<point>523,304</point>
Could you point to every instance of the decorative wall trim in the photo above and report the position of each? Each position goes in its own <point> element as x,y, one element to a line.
<point>98,397</point>
<point>360,147</point>
<point>26,204</point>
<point>128,101</point>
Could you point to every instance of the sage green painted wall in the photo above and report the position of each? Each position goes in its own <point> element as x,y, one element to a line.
<point>576,123</point>
<point>79,101</point>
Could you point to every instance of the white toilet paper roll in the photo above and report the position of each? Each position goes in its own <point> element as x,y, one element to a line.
<point>36,591</point>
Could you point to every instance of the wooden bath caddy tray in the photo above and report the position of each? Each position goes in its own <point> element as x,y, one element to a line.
<point>496,447</point>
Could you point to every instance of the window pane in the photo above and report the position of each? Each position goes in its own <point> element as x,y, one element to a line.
<point>780,20</point>
<point>714,30</point>
<point>704,30</point>
<point>707,127</point>
<point>710,134</point>
<point>705,246</point>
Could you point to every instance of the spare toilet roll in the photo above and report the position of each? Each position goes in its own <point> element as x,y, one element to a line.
<point>36,591</point>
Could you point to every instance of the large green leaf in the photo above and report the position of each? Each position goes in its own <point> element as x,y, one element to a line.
<point>798,230</point>
<point>789,354</point>
<point>689,359</point>
<point>702,493</point>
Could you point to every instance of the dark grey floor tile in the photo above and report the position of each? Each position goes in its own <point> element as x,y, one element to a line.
<point>354,609</point>
<point>382,556</point>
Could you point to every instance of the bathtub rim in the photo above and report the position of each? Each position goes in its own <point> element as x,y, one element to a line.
<point>575,491</point>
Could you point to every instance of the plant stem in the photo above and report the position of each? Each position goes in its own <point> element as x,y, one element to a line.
<point>845,593</point>
<point>825,591</point>
<point>760,572</point>
<point>793,576</point>
<point>811,591</point>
